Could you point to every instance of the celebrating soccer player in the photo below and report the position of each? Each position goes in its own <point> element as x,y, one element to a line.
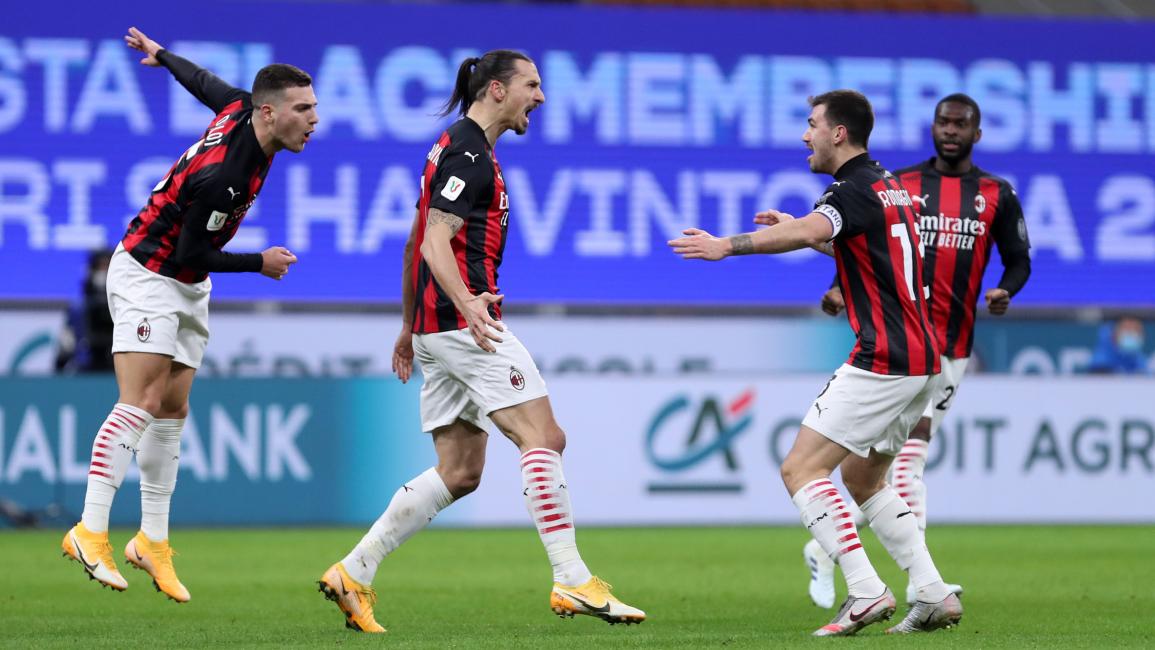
<point>861,418</point>
<point>158,293</point>
<point>962,210</point>
<point>475,369</point>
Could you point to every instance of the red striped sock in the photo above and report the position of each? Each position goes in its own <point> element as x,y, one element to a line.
<point>112,453</point>
<point>547,499</point>
<point>826,516</point>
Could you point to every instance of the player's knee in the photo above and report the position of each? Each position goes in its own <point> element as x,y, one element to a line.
<point>861,488</point>
<point>148,403</point>
<point>794,473</point>
<point>554,438</point>
<point>922,430</point>
<point>149,398</point>
<point>176,410</point>
<point>539,436</point>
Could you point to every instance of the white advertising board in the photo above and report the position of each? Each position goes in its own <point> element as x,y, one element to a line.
<point>703,450</point>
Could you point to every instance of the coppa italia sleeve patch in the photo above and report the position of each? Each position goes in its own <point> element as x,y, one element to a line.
<point>217,220</point>
<point>453,188</point>
<point>835,217</point>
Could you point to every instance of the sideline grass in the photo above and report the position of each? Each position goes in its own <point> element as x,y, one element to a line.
<point>1053,587</point>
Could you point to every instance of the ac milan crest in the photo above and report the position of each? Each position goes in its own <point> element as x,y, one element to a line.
<point>516,379</point>
<point>143,330</point>
<point>980,204</point>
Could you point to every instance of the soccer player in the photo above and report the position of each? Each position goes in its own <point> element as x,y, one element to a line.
<point>861,418</point>
<point>963,211</point>
<point>475,369</point>
<point>158,293</point>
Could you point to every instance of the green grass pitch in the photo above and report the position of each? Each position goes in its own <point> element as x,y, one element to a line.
<point>1043,587</point>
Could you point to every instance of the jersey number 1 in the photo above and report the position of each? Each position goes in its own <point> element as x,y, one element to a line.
<point>899,231</point>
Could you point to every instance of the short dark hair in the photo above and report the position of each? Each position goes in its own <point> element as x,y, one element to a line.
<point>961,98</point>
<point>274,78</point>
<point>852,110</point>
<point>475,73</point>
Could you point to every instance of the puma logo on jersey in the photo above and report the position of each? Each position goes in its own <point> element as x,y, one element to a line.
<point>232,193</point>
<point>920,199</point>
<point>472,156</point>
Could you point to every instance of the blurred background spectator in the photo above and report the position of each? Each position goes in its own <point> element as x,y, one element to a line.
<point>85,343</point>
<point>1120,349</point>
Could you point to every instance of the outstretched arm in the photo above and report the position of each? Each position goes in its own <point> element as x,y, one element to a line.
<point>208,88</point>
<point>774,217</point>
<point>810,231</point>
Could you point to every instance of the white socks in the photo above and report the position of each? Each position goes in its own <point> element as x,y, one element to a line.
<point>112,453</point>
<point>414,505</point>
<point>159,460</point>
<point>547,500</point>
<point>894,524</point>
<point>826,516</point>
<point>419,501</point>
<point>906,477</point>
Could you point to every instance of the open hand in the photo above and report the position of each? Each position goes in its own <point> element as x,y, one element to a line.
<point>138,41</point>
<point>772,217</point>
<point>481,324</point>
<point>700,245</point>
<point>403,355</point>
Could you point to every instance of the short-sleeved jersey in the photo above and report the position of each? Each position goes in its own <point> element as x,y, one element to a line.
<point>961,217</point>
<point>462,177</point>
<point>876,247</point>
<point>209,189</point>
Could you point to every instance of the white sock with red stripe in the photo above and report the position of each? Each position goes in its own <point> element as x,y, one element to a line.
<point>860,520</point>
<point>159,460</point>
<point>906,477</point>
<point>547,499</point>
<point>413,506</point>
<point>894,525</point>
<point>112,453</point>
<point>826,516</point>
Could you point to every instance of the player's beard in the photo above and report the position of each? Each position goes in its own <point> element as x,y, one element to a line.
<point>963,152</point>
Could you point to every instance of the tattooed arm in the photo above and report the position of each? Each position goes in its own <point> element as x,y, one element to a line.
<point>813,230</point>
<point>437,250</point>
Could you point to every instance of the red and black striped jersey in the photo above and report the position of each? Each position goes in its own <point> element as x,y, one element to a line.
<point>961,217</point>
<point>462,177</point>
<point>197,207</point>
<point>876,247</point>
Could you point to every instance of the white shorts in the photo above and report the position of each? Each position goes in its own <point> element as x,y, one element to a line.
<point>861,410</point>
<point>153,313</point>
<point>945,390</point>
<point>463,381</point>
